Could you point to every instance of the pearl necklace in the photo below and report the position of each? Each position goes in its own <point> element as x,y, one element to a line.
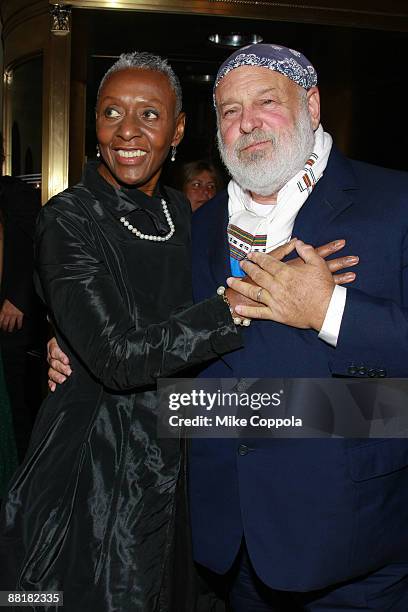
<point>139,234</point>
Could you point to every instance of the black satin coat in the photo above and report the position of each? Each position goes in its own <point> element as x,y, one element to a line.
<point>92,510</point>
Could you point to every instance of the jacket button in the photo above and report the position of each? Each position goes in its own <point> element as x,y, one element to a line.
<point>243,450</point>
<point>381,372</point>
<point>352,370</point>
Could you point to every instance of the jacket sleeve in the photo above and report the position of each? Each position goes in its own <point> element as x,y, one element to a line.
<point>373,339</point>
<point>88,310</point>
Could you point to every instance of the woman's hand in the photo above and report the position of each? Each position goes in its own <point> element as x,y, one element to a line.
<point>59,365</point>
<point>334,265</point>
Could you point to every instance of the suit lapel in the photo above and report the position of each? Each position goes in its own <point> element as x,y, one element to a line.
<point>218,245</point>
<point>218,253</point>
<point>333,194</point>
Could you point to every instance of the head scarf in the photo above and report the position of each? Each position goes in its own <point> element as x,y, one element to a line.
<point>288,62</point>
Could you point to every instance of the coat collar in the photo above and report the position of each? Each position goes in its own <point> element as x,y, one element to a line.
<point>333,194</point>
<point>121,202</point>
<point>218,248</point>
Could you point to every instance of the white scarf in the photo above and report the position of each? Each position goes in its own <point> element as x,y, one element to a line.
<point>262,227</point>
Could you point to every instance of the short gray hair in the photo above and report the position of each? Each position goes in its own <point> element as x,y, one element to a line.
<point>146,61</point>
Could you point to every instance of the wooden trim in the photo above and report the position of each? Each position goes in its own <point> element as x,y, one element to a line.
<point>16,14</point>
<point>355,13</point>
<point>7,79</point>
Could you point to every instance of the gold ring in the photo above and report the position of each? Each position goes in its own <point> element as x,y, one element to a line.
<point>258,295</point>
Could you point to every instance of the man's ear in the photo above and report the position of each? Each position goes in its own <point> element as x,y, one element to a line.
<point>313,104</point>
<point>179,131</point>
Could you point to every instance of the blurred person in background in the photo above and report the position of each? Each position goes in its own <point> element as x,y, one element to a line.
<point>200,181</point>
<point>8,456</point>
<point>22,321</point>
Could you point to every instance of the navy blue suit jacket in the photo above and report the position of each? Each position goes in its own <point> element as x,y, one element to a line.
<point>314,512</point>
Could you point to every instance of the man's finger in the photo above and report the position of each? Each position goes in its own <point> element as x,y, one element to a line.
<point>262,260</point>
<point>342,262</point>
<point>282,251</point>
<point>240,286</point>
<point>247,279</point>
<point>330,247</point>
<point>54,352</point>
<point>59,355</point>
<point>264,273</point>
<point>342,279</point>
<point>253,312</point>
<point>250,291</point>
<point>51,385</point>
<point>56,376</point>
<point>308,253</point>
<point>57,365</point>
<point>19,322</point>
<point>50,344</point>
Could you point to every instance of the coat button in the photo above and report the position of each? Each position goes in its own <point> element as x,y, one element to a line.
<point>243,450</point>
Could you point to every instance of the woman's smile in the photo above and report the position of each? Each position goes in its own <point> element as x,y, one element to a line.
<point>136,124</point>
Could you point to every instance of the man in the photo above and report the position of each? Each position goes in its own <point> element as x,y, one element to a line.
<point>304,524</point>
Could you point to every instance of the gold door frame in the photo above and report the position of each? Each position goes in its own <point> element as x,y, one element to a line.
<point>7,123</point>
<point>56,106</point>
<point>27,33</point>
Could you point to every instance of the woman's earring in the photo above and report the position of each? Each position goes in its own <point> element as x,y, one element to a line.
<point>173,153</point>
<point>98,153</point>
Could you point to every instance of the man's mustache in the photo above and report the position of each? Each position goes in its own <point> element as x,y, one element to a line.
<point>255,137</point>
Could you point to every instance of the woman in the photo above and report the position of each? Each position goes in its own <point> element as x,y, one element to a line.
<point>200,181</point>
<point>92,510</point>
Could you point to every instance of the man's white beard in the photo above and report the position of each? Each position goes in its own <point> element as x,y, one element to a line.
<point>265,172</point>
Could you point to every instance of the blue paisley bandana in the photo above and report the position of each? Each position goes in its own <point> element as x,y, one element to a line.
<point>288,62</point>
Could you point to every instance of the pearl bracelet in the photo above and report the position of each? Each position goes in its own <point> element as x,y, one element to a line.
<point>237,320</point>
